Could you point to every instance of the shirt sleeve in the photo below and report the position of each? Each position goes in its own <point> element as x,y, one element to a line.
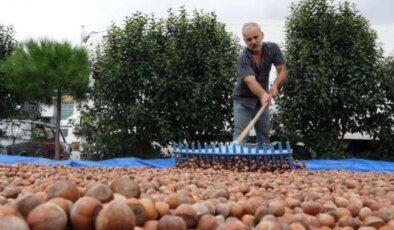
<point>278,57</point>
<point>244,66</point>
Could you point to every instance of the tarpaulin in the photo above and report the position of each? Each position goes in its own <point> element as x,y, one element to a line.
<point>353,164</point>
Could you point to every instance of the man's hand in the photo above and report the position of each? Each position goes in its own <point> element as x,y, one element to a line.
<point>280,80</point>
<point>265,99</point>
<point>274,91</point>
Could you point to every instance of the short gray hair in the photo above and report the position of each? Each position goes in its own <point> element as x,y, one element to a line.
<point>250,24</point>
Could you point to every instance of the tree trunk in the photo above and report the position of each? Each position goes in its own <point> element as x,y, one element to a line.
<point>341,141</point>
<point>57,134</point>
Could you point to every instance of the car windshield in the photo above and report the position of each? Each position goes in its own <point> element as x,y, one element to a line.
<point>64,131</point>
<point>15,129</point>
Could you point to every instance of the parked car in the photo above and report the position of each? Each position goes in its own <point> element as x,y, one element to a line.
<point>30,138</point>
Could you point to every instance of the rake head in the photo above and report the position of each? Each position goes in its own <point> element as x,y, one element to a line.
<point>237,157</point>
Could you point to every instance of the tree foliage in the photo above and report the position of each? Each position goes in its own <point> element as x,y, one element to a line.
<point>44,71</point>
<point>161,80</point>
<point>7,46</point>
<point>385,119</point>
<point>333,86</point>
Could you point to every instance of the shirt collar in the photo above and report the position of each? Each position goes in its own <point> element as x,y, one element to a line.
<point>249,52</point>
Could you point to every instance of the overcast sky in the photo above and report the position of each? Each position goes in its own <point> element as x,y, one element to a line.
<point>62,19</point>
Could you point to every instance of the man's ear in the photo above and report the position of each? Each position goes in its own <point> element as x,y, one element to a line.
<point>262,34</point>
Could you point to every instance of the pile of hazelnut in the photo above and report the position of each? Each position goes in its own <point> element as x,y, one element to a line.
<point>36,197</point>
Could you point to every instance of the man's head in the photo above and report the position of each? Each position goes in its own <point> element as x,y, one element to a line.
<point>253,36</point>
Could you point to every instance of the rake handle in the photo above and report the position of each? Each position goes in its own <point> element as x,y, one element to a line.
<point>250,125</point>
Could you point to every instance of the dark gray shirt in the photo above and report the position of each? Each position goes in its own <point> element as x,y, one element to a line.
<point>246,66</point>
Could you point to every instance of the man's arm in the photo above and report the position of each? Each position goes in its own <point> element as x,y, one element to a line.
<point>256,88</point>
<point>279,81</point>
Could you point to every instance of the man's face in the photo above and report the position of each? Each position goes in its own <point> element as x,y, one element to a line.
<point>253,37</point>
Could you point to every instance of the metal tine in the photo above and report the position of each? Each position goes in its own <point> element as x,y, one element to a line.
<point>199,150</point>
<point>273,155</point>
<point>174,147</point>
<point>180,151</point>
<point>193,149</point>
<point>212,151</point>
<point>214,145</point>
<point>234,152</point>
<point>227,150</point>
<point>187,152</point>
<point>281,154</point>
<point>242,152</point>
<point>290,153</point>
<point>280,148</point>
<point>217,150</point>
<point>257,156</point>
<point>249,156</point>
<point>241,155</point>
<point>177,147</point>
<point>206,152</point>
<point>220,153</point>
<point>288,148</point>
<point>265,155</point>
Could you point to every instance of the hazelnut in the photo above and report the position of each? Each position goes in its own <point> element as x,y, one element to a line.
<point>115,215</point>
<point>63,188</point>
<point>171,223</point>
<point>125,186</point>
<point>188,214</point>
<point>101,192</point>
<point>84,212</point>
<point>138,209</point>
<point>13,222</point>
<point>47,216</point>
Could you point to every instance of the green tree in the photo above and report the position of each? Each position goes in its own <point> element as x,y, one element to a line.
<point>7,46</point>
<point>44,71</point>
<point>385,118</point>
<point>333,86</point>
<point>161,80</point>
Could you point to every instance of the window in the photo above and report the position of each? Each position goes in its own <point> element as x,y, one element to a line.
<point>65,132</point>
<point>67,110</point>
<point>50,133</point>
<point>38,133</point>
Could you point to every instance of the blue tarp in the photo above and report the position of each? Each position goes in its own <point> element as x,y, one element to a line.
<point>346,164</point>
<point>353,164</point>
<point>115,162</point>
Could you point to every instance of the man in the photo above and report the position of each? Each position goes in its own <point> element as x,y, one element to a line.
<point>252,90</point>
